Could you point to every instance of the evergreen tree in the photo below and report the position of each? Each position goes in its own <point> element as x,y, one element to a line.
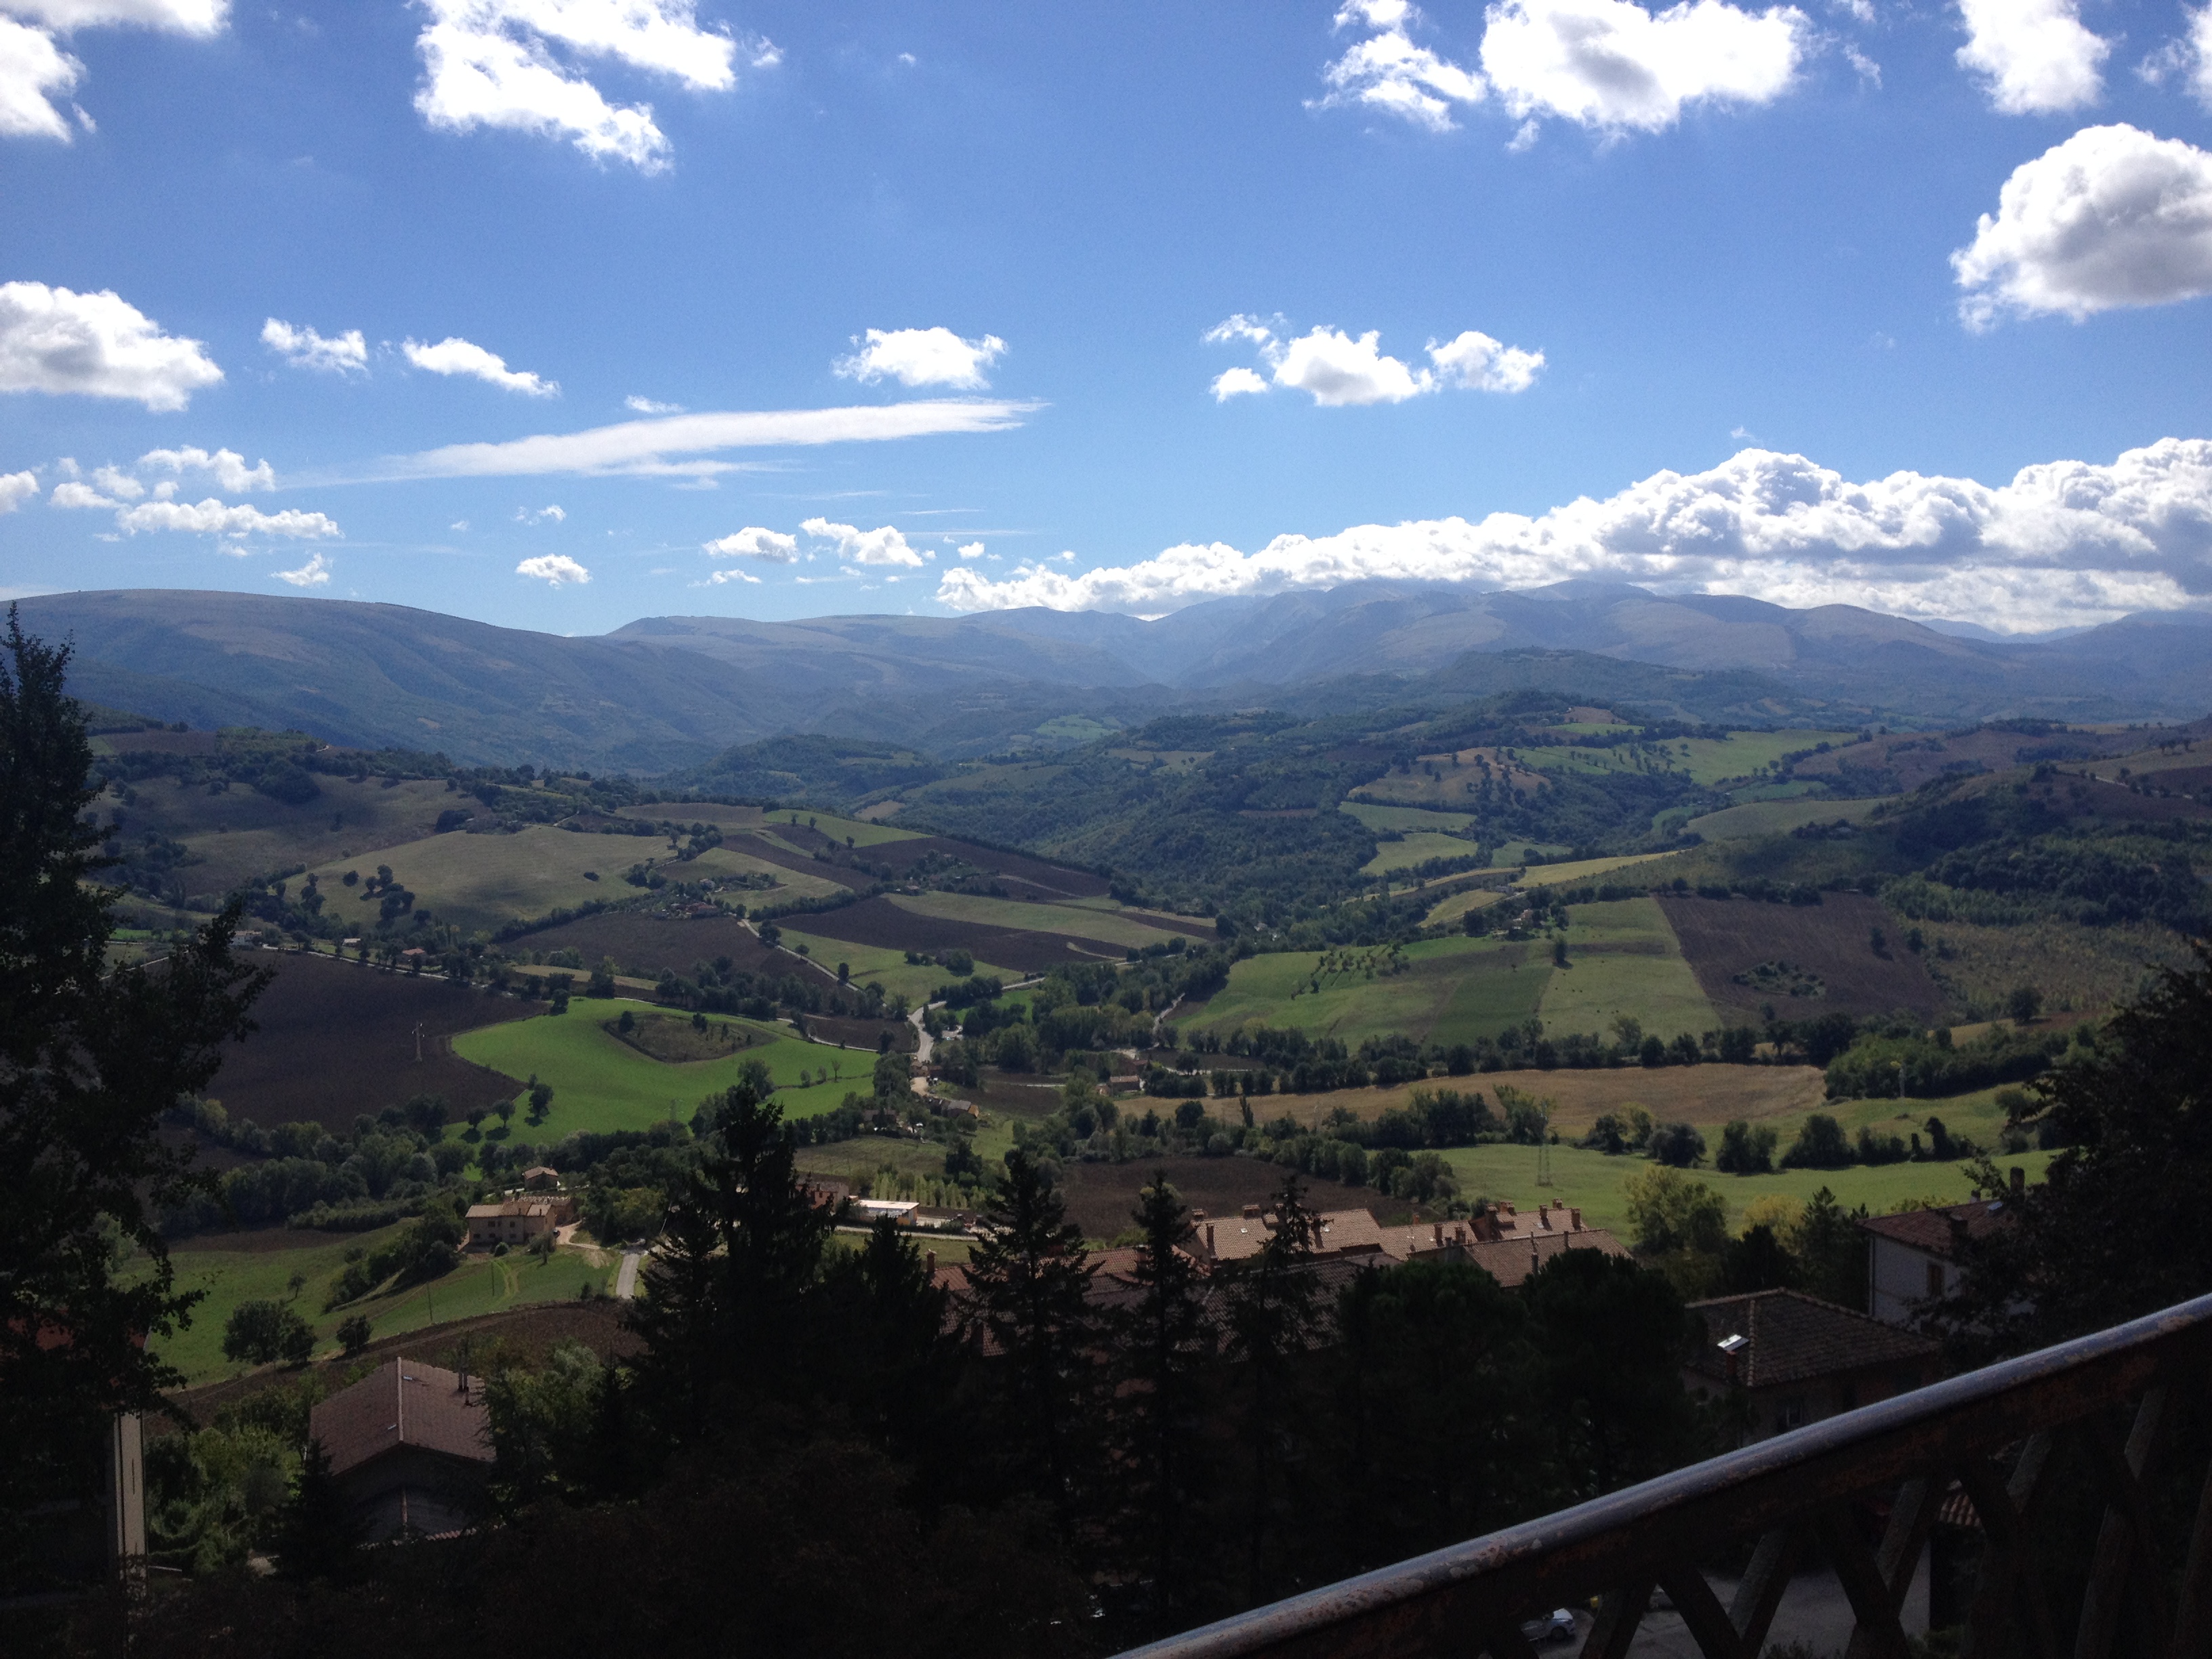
<point>1029,1281</point>
<point>1274,1319</point>
<point>91,1056</point>
<point>1158,1408</point>
<point>319,1531</point>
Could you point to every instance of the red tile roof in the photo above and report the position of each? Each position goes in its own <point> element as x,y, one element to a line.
<point>1934,1230</point>
<point>1792,1337</point>
<point>403,1402</point>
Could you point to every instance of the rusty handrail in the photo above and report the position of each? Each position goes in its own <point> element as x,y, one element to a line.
<point>1466,1595</point>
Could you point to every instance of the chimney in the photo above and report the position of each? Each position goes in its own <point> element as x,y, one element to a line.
<point>1440,1234</point>
<point>929,1260</point>
<point>464,1382</point>
<point>1544,1217</point>
<point>1209,1238</point>
<point>2019,1182</point>
<point>1575,1217</point>
<point>1251,1211</point>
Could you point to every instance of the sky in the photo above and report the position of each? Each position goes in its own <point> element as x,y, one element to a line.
<point>557,314</point>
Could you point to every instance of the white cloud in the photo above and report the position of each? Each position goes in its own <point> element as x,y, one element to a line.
<point>16,489</point>
<point>922,357</point>
<point>228,466</point>
<point>2190,56</point>
<point>454,355</point>
<point>647,406</point>
<point>2065,542</point>
<point>316,573</point>
<point>753,543</point>
<point>884,545</point>
<point>540,515</point>
<point>2034,55</point>
<point>1387,72</point>
<point>968,550</point>
<point>33,71</point>
<point>96,344</point>
<point>303,348</point>
<point>213,517</point>
<point>2111,218</point>
<point>646,446</point>
<point>554,569</point>
<point>118,484</point>
<point>1338,370</point>
<point>1235,383</point>
<point>1612,65</point>
<point>71,494</point>
<point>201,17</point>
<point>493,62</point>
<point>716,578</point>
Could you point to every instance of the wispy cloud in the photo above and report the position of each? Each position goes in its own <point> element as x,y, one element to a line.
<point>660,447</point>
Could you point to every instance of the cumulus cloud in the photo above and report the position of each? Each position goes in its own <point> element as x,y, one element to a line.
<point>657,447</point>
<point>454,355</point>
<point>228,466</point>
<point>113,481</point>
<point>2064,543</point>
<point>555,570</point>
<point>920,357</point>
<point>540,515</point>
<point>316,573</point>
<point>884,545</point>
<point>753,543</point>
<point>1338,370</point>
<point>303,348</point>
<point>97,345</point>
<point>648,406</point>
<point>2111,218</point>
<point>717,578</point>
<point>1387,72</point>
<point>513,63</point>
<point>213,517</point>
<point>1612,65</point>
<point>16,489</point>
<point>34,73</point>
<point>968,551</point>
<point>2034,56</point>
<point>71,492</point>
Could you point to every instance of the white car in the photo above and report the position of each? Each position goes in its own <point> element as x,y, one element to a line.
<point>1558,1625</point>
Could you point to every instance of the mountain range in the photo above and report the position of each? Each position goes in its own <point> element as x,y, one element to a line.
<point>669,692</point>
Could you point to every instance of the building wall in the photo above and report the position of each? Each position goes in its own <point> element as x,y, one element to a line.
<point>1899,1276</point>
<point>409,1488</point>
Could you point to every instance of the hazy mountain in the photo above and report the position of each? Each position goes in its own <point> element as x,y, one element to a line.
<point>666,692</point>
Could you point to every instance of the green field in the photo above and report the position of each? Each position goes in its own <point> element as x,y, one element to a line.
<point>1626,961</point>
<point>877,964</point>
<point>600,1082</point>
<point>1078,921</point>
<point>1417,847</point>
<point>487,881</point>
<point>1407,818</point>
<point>1556,875</point>
<point>1776,817</point>
<point>1451,990</point>
<point>1591,1181</point>
<point>480,1285</point>
<point>1702,760</point>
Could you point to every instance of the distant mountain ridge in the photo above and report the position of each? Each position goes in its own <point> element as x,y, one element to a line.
<point>664,693</point>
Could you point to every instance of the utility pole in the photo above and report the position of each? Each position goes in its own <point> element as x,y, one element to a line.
<point>419,1042</point>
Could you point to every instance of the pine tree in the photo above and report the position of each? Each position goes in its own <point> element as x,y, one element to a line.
<point>1158,1406</point>
<point>91,1057</point>
<point>1273,1318</point>
<point>320,1532</point>
<point>1029,1281</point>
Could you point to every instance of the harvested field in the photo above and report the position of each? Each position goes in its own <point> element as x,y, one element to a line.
<point>1080,922</point>
<point>764,851</point>
<point>337,1039</point>
<point>879,922</point>
<point>1100,1196</point>
<point>1833,941</point>
<point>1044,878</point>
<point>645,944</point>
<point>1704,1095</point>
<point>863,1033</point>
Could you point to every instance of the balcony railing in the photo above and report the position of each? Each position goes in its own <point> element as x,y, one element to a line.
<point>1999,1432</point>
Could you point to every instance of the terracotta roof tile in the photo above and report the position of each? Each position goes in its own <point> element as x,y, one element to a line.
<point>1933,1230</point>
<point>1793,1337</point>
<point>402,1402</point>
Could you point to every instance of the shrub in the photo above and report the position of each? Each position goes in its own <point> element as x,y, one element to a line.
<point>1746,1148</point>
<point>259,1332</point>
<point>1679,1145</point>
<point>1820,1146</point>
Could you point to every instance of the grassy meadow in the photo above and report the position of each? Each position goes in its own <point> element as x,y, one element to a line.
<point>229,1276</point>
<point>1450,990</point>
<point>600,1082</point>
<point>1074,920</point>
<point>1776,817</point>
<point>1623,959</point>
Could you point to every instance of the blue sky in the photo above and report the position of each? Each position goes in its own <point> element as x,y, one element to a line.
<point>1703,298</point>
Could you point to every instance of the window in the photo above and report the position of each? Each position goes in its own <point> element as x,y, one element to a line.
<point>1935,1278</point>
<point>1792,1413</point>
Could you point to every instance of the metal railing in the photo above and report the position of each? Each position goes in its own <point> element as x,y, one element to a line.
<point>1995,1431</point>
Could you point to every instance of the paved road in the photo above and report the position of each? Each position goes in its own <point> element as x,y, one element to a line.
<point>626,1280</point>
